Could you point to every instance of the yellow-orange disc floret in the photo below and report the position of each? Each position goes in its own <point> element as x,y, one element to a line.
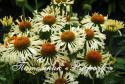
<point>48,49</point>
<point>60,81</point>
<point>24,25</point>
<point>49,19</point>
<point>89,34</point>
<point>94,57</point>
<point>67,36</point>
<point>21,42</point>
<point>97,18</point>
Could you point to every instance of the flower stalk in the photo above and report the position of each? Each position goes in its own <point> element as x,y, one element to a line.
<point>36,3</point>
<point>23,12</point>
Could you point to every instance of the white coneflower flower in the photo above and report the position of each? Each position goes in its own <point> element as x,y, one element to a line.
<point>47,20</point>
<point>113,25</point>
<point>70,40</point>
<point>47,52</point>
<point>96,64</point>
<point>96,20</point>
<point>23,26</point>
<point>60,78</point>
<point>94,39</point>
<point>18,50</point>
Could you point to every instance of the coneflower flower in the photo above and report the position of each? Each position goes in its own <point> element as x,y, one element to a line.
<point>97,20</point>
<point>96,64</point>
<point>70,40</point>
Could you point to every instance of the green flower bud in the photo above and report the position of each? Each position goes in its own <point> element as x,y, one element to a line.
<point>87,7</point>
<point>20,2</point>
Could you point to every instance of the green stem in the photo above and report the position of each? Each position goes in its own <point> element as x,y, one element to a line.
<point>36,3</point>
<point>93,81</point>
<point>23,11</point>
<point>38,80</point>
<point>110,43</point>
<point>70,10</point>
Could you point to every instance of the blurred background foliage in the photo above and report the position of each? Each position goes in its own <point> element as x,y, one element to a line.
<point>115,9</point>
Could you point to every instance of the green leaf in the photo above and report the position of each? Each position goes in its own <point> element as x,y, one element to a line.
<point>111,8</point>
<point>120,64</point>
<point>29,7</point>
<point>114,78</point>
<point>2,79</point>
<point>120,60</point>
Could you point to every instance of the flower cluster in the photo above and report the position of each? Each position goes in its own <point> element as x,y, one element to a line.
<point>55,38</point>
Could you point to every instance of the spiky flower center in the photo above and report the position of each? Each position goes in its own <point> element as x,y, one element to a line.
<point>21,42</point>
<point>60,81</point>
<point>94,57</point>
<point>112,25</point>
<point>49,19</point>
<point>67,36</point>
<point>24,25</point>
<point>48,49</point>
<point>97,18</point>
<point>89,34</point>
